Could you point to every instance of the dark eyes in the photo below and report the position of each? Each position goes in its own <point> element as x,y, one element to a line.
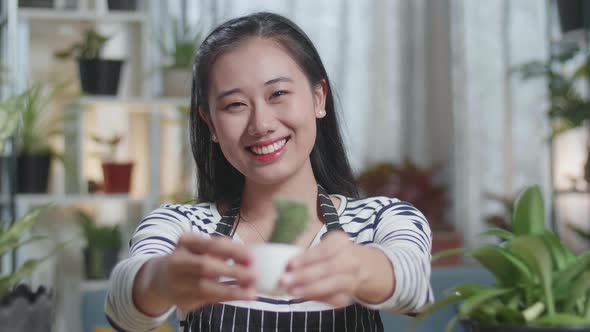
<point>279,93</point>
<point>238,105</point>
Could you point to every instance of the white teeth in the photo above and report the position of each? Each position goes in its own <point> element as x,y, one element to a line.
<point>269,148</point>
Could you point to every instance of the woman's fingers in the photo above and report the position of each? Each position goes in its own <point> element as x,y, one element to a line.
<point>222,248</point>
<point>210,267</point>
<point>330,246</point>
<point>336,291</point>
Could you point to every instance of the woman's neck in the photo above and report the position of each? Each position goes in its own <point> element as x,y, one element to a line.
<point>257,199</point>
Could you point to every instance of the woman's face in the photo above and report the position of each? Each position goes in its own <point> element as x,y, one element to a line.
<point>263,110</point>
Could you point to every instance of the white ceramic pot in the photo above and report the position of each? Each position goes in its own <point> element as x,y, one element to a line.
<point>270,262</point>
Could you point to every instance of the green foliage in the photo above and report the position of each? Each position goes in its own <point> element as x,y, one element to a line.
<point>37,123</point>
<point>14,237</point>
<point>185,40</point>
<point>570,108</point>
<point>111,143</point>
<point>291,221</point>
<point>539,281</point>
<point>87,49</point>
<point>99,237</point>
<point>10,110</point>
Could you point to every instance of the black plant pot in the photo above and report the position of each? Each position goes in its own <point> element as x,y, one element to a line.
<point>99,263</point>
<point>573,14</point>
<point>122,4</point>
<point>474,327</point>
<point>32,173</point>
<point>100,77</point>
<point>24,310</point>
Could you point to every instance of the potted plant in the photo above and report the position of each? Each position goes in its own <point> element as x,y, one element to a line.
<point>176,74</point>
<point>116,175</point>
<point>271,258</point>
<point>102,247</point>
<point>418,186</point>
<point>569,103</point>
<point>37,124</point>
<point>540,285</point>
<point>97,76</point>
<point>21,308</point>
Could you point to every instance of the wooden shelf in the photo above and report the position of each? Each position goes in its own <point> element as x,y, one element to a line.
<point>133,101</point>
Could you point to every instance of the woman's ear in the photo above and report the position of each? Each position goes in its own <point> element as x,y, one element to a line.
<point>207,119</point>
<point>320,92</point>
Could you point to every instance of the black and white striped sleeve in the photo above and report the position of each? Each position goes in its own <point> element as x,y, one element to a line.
<point>403,234</point>
<point>156,235</point>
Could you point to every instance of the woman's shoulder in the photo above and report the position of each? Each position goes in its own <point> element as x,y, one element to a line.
<point>379,207</point>
<point>350,205</point>
<point>200,213</point>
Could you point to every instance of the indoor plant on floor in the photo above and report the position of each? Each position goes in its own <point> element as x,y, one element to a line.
<point>541,286</point>
<point>102,247</point>
<point>98,76</point>
<point>22,309</point>
<point>116,175</point>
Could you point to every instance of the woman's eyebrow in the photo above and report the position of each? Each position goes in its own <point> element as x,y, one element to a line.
<point>228,92</point>
<point>277,80</point>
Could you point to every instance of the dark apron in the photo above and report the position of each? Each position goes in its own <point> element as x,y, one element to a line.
<point>228,318</point>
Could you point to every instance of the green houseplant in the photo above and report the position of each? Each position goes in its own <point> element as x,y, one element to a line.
<point>37,124</point>
<point>116,174</point>
<point>178,54</point>
<point>98,76</point>
<point>540,284</point>
<point>418,186</point>
<point>22,309</point>
<point>102,247</point>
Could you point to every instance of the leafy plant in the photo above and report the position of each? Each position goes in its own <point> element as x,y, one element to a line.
<point>411,183</point>
<point>99,239</point>
<point>12,238</point>
<point>9,116</point>
<point>111,143</point>
<point>87,49</point>
<point>291,221</point>
<point>570,108</point>
<point>37,123</point>
<point>539,281</point>
<point>184,42</point>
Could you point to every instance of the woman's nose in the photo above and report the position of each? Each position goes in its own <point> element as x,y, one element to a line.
<point>262,121</point>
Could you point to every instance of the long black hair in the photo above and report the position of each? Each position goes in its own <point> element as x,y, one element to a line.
<point>217,179</point>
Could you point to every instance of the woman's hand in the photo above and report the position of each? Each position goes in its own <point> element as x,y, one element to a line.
<point>330,272</point>
<point>188,277</point>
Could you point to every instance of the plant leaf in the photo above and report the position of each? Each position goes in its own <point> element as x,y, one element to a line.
<point>534,252</point>
<point>506,267</point>
<point>7,282</point>
<point>449,253</point>
<point>481,297</point>
<point>579,289</point>
<point>501,234</point>
<point>451,324</point>
<point>454,298</point>
<point>529,212</point>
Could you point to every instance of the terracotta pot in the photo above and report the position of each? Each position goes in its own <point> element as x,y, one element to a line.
<point>117,177</point>
<point>444,240</point>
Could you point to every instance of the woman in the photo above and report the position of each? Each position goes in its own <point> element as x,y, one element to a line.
<point>263,124</point>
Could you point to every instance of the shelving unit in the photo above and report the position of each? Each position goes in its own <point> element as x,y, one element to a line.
<point>28,32</point>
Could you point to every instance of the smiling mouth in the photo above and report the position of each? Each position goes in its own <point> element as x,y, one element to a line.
<point>268,149</point>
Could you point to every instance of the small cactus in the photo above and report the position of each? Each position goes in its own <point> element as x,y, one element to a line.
<point>291,221</point>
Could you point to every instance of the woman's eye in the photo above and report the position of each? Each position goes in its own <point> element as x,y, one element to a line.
<point>234,105</point>
<point>279,93</point>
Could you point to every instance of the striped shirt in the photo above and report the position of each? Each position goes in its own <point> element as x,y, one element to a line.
<point>393,226</point>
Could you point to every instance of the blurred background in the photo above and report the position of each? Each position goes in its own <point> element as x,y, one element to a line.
<point>452,105</point>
